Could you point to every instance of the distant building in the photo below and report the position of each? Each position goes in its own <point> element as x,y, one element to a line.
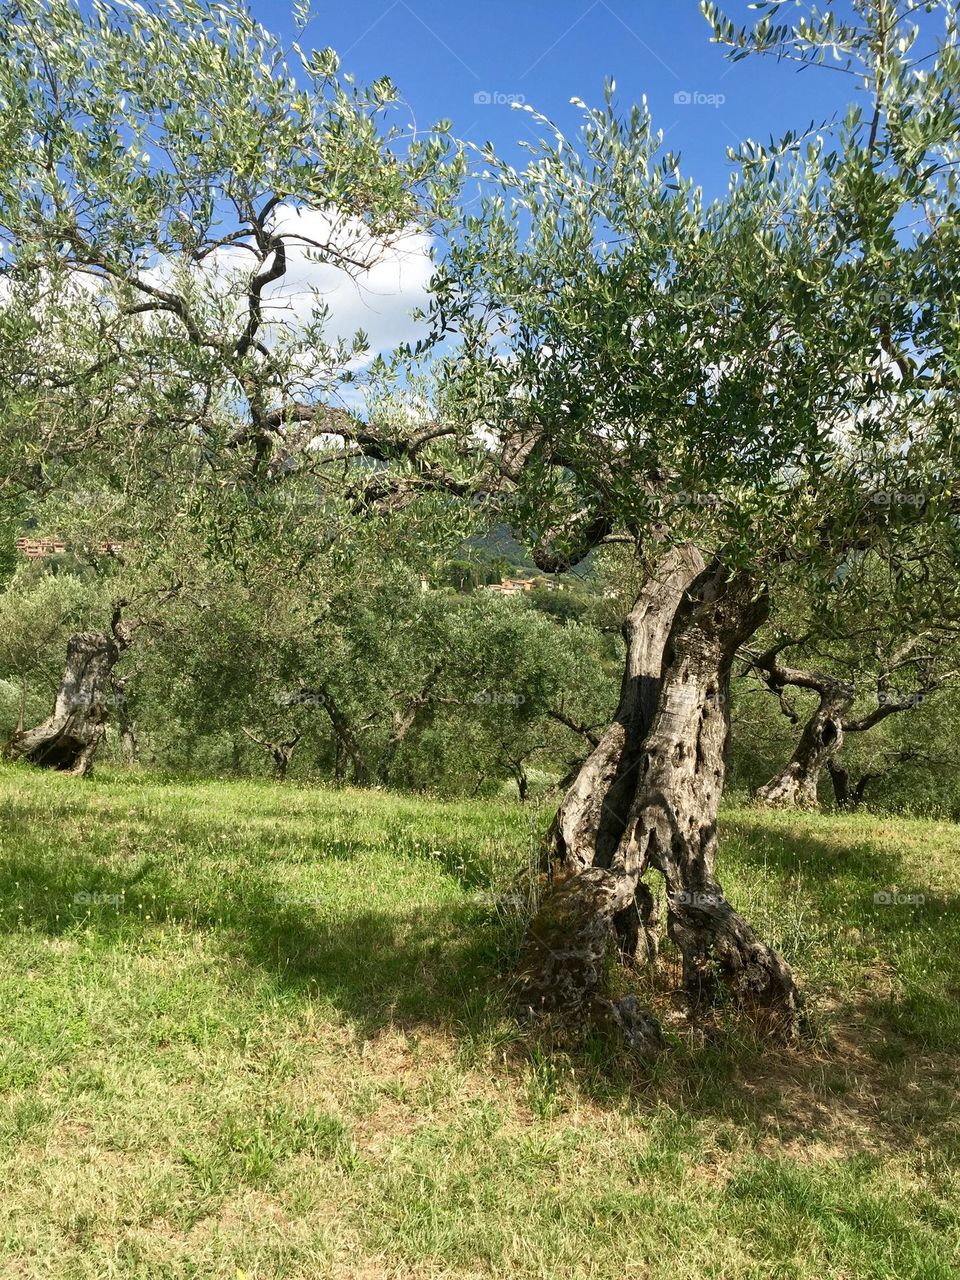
<point>512,586</point>
<point>40,548</point>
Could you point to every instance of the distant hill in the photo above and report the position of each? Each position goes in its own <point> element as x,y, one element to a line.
<point>500,543</point>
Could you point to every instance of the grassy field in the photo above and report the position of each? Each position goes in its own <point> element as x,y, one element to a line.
<point>260,1032</point>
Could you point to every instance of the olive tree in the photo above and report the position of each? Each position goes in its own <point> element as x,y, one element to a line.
<point>879,677</point>
<point>39,611</point>
<point>724,384</point>
<point>163,169</point>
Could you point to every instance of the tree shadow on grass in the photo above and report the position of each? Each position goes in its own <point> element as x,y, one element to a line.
<point>379,968</point>
<point>265,834</point>
<point>376,967</point>
<point>861,887</point>
<point>817,859</point>
<point>878,1068</point>
<point>808,1101</point>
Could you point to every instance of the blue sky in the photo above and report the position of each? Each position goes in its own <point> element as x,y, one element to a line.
<point>463,61</point>
<point>443,54</point>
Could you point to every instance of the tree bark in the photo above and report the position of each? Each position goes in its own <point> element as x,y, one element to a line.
<point>128,733</point>
<point>676,776</point>
<point>339,763</point>
<point>348,745</point>
<point>523,783</point>
<point>795,786</point>
<point>590,822</point>
<point>68,739</point>
<point>404,721</point>
<point>848,796</point>
<point>673,827</point>
<point>280,751</point>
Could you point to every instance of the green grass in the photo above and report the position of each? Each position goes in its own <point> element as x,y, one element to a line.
<point>255,1031</point>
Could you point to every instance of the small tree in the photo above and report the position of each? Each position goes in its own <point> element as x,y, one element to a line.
<point>39,611</point>
<point>888,679</point>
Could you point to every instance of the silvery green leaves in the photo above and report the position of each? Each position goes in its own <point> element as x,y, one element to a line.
<point>174,171</point>
<point>742,372</point>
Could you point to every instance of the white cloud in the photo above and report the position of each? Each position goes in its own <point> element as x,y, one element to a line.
<point>378,295</point>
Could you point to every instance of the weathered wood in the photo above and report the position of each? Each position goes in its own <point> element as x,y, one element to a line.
<point>673,827</point>
<point>796,784</point>
<point>69,737</point>
<point>670,825</point>
<point>591,819</point>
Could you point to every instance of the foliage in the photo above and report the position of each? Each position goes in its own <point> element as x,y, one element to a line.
<point>150,230</point>
<point>380,679</point>
<point>770,375</point>
<point>38,613</point>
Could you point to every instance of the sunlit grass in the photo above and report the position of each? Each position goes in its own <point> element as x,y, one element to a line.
<point>263,1030</point>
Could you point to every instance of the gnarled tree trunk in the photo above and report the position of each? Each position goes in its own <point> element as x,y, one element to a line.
<point>279,750</point>
<point>670,824</point>
<point>847,794</point>
<point>128,732</point>
<point>347,743</point>
<point>590,822</point>
<point>68,739</point>
<point>674,822</point>
<point>823,734</point>
<point>592,817</point>
<point>795,786</point>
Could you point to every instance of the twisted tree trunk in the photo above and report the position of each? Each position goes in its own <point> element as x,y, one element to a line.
<point>673,826</point>
<point>347,742</point>
<point>795,786</point>
<point>68,739</point>
<point>592,817</point>
<point>128,732</point>
<point>846,794</point>
<point>674,778</point>
<point>823,734</point>
<point>280,750</point>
